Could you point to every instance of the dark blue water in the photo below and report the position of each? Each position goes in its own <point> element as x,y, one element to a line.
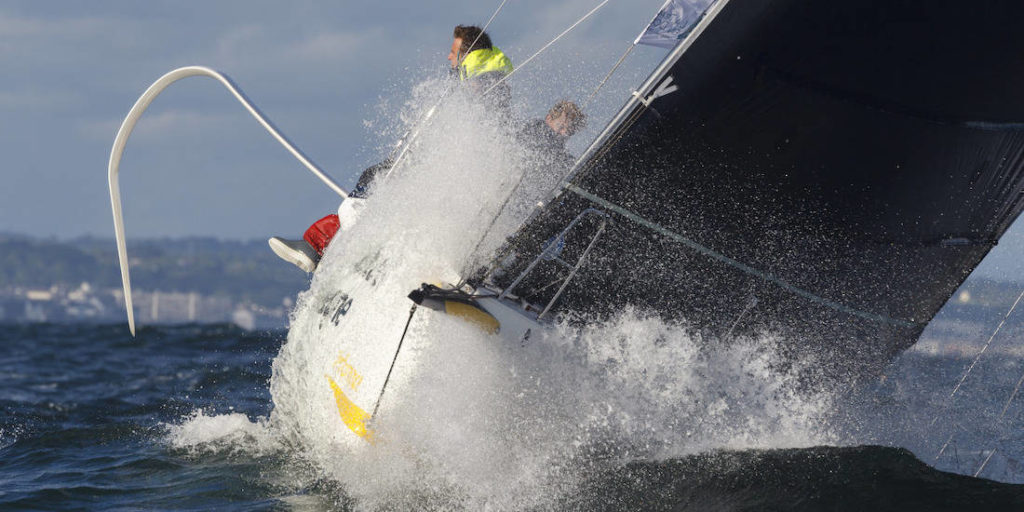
<point>87,414</point>
<point>83,413</point>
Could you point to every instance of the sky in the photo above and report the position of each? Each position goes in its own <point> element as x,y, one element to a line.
<point>331,75</point>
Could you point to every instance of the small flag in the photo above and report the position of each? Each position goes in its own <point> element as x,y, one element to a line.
<point>674,21</point>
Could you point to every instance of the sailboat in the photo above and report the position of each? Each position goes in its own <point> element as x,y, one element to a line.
<point>827,171</point>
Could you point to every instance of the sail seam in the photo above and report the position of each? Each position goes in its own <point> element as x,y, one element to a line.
<point>736,264</point>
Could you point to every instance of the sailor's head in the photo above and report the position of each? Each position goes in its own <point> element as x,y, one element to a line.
<point>566,118</point>
<point>467,38</point>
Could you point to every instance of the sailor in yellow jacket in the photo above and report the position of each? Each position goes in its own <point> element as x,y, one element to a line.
<point>476,61</point>
<point>480,65</point>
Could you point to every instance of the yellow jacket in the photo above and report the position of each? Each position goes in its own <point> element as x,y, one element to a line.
<point>484,61</point>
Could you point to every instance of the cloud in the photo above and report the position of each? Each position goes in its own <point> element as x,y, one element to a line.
<point>20,28</point>
<point>37,40</point>
<point>260,49</point>
<point>332,47</point>
<point>316,68</point>
<point>168,125</point>
<point>36,100</point>
<point>253,43</point>
<point>241,41</point>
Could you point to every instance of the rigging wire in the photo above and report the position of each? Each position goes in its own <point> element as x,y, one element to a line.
<point>751,304</point>
<point>487,230</point>
<point>624,55</point>
<point>545,47</point>
<point>944,445</point>
<point>968,372</point>
<point>483,30</point>
<point>577,167</point>
<point>1012,396</point>
<point>586,102</point>
<point>608,76</point>
<point>412,311</point>
<point>987,343</point>
<point>1002,414</point>
<point>550,196</point>
<point>414,132</point>
<point>538,52</point>
<point>983,464</point>
<point>430,112</point>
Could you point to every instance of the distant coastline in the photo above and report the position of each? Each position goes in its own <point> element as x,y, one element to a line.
<point>187,280</point>
<point>206,280</point>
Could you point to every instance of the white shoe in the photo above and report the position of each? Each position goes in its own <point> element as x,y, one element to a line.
<point>296,252</point>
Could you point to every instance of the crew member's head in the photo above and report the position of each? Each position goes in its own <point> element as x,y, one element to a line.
<point>566,118</point>
<point>467,38</point>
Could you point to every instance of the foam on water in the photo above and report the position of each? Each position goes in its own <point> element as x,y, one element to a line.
<point>6,439</point>
<point>501,422</point>
<point>222,433</point>
<point>469,419</point>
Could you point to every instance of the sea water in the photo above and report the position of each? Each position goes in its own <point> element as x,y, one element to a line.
<point>179,418</point>
<point>634,412</point>
<point>474,420</point>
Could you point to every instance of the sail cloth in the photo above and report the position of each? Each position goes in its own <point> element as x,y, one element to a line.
<point>840,166</point>
<point>673,22</point>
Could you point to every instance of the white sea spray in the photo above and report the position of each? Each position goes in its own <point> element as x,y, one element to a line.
<point>470,420</point>
<point>231,433</point>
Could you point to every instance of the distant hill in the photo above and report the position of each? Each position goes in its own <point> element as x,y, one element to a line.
<point>245,271</point>
<point>246,274</point>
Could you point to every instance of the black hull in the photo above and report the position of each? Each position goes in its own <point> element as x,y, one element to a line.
<point>846,163</point>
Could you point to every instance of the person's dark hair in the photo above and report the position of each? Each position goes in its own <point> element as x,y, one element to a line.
<point>573,115</point>
<point>470,33</point>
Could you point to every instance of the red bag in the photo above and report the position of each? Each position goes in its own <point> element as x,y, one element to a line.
<point>321,232</point>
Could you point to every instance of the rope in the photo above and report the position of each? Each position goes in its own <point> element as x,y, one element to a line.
<point>404,151</point>
<point>1002,413</point>
<point>478,36</point>
<point>987,343</point>
<point>412,311</point>
<point>750,305</point>
<point>583,107</point>
<point>944,445</point>
<point>413,133</point>
<point>968,372</point>
<point>545,47</point>
<point>983,464</point>
<point>1012,396</point>
<point>487,230</point>
<point>609,75</point>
